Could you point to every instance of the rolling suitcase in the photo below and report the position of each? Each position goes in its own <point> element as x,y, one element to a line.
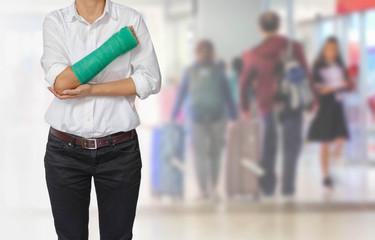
<point>242,159</point>
<point>168,160</point>
<point>155,161</point>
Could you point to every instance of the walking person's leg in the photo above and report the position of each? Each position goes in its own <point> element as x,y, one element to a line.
<point>117,178</point>
<point>269,150</point>
<point>69,185</point>
<point>200,143</point>
<point>217,134</point>
<point>292,143</point>
<point>339,145</point>
<point>325,162</point>
<point>341,131</point>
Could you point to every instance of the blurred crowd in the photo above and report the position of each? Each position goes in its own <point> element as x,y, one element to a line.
<point>235,117</point>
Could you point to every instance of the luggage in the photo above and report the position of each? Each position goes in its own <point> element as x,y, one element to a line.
<point>155,160</point>
<point>167,160</point>
<point>242,159</point>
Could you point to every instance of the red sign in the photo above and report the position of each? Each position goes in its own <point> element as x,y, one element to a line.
<point>348,6</point>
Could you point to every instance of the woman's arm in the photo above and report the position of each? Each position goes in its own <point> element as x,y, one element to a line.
<point>55,59</point>
<point>145,80</point>
<point>318,83</point>
<point>122,87</point>
<point>68,78</point>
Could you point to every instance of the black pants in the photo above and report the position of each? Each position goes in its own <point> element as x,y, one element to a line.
<point>292,143</point>
<point>117,174</point>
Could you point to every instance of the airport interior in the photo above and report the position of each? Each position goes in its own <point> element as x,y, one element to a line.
<point>345,211</point>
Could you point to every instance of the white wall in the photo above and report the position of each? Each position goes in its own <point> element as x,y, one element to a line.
<point>231,25</point>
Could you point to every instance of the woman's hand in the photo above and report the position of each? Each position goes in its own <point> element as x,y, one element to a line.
<point>66,80</point>
<point>123,87</point>
<point>80,91</point>
<point>133,32</point>
<point>326,90</point>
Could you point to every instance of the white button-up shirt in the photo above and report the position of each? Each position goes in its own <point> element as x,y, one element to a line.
<point>67,39</point>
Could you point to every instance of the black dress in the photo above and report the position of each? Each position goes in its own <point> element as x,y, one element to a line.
<point>329,123</point>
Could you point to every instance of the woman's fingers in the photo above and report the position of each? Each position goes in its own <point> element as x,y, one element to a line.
<point>72,92</point>
<point>133,32</point>
<point>62,97</point>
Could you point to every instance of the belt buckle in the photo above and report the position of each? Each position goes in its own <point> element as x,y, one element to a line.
<point>84,141</point>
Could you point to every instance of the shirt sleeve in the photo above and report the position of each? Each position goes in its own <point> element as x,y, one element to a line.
<point>245,81</point>
<point>146,75</point>
<point>55,58</point>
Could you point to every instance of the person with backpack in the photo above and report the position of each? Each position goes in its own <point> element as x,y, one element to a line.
<point>278,71</point>
<point>329,126</point>
<point>205,86</point>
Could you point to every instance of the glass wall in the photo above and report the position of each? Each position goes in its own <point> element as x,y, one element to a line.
<point>368,83</point>
<point>356,35</point>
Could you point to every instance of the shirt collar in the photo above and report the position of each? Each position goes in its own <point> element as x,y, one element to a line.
<point>108,9</point>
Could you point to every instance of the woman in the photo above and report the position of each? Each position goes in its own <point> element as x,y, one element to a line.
<point>205,87</point>
<point>92,134</point>
<point>329,126</point>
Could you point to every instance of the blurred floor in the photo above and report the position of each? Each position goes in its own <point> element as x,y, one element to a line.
<point>247,225</point>
<point>237,225</point>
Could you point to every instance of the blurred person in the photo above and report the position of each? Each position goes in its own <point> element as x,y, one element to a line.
<point>92,132</point>
<point>205,86</point>
<point>259,67</point>
<point>234,77</point>
<point>329,126</point>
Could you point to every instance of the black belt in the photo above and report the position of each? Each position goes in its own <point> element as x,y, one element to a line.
<point>94,143</point>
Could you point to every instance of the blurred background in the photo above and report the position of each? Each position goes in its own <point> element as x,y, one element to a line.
<point>176,200</point>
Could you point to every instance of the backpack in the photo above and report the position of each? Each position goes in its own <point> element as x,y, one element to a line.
<point>293,88</point>
<point>206,95</point>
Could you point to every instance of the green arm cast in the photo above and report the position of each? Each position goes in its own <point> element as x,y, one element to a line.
<point>120,43</point>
